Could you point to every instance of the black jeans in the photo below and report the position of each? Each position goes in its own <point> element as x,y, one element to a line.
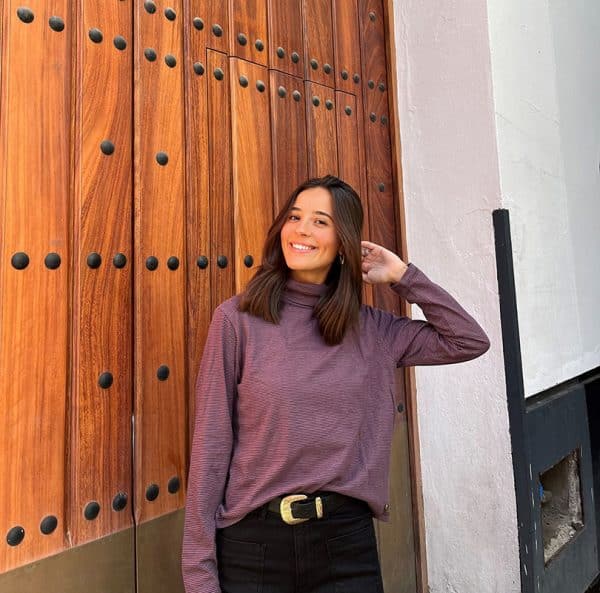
<point>336,554</point>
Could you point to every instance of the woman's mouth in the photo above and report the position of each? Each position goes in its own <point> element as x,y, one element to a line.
<point>300,248</point>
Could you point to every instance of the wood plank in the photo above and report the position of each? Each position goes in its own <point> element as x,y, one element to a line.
<point>248,30</point>
<point>223,263</point>
<point>160,324</point>
<point>347,45</point>
<point>288,127</point>
<point>210,22</point>
<point>35,202</point>
<point>319,60</point>
<point>321,130</point>
<point>286,45</point>
<point>252,174</point>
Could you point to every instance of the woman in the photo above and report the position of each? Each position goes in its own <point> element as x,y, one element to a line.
<point>295,405</point>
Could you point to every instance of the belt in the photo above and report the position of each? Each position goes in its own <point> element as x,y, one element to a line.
<point>297,508</point>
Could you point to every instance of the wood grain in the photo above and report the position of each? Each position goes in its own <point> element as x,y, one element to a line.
<point>285,32</point>
<point>321,130</point>
<point>318,42</point>
<point>214,23</point>
<point>249,18</point>
<point>346,45</point>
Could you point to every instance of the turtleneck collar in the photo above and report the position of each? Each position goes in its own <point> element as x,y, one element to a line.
<point>302,293</point>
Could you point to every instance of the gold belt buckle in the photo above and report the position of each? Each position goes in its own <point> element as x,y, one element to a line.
<point>285,508</point>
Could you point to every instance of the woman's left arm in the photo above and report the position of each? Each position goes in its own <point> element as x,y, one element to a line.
<point>448,336</point>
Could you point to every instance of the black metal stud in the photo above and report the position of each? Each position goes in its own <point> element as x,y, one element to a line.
<point>163,372</point>
<point>19,260</point>
<point>248,261</point>
<point>91,510</point>
<point>260,85</point>
<point>198,68</point>
<point>56,24</point>
<point>400,408</point>
<point>280,52</point>
<point>48,524</point>
<point>316,101</point>
<point>120,42</point>
<point>15,536</point>
<point>243,81</point>
<point>297,95</point>
<point>170,14</point>
<point>150,54</point>
<point>198,23</point>
<point>95,35</point>
<point>345,74</point>
<point>174,485</point>
<point>151,263</point>
<point>222,261</point>
<point>202,262</point>
<point>162,158</point>
<point>105,380</point>
<point>217,30</point>
<point>373,117</point>
<point>372,16</point>
<point>371,84</point>
<point>314,64</point>
<point>150,6</point>
<point>52,261</point>
<point>94,260</point>
<point>259,45</point>
<point>107,147</point>
<point>329,104</point>
<point>348,110</point>
<point>282,92</point>
<point>327,68</point>
<point>219,75</point>
<point>152,492</point>
<point>295,57</point>
<point>119,501</point>
<point>170,61</point>
<point>384,120</point>
<point>173,263</point>
<point>381,87</point>
<point>25,14</point>
<point>242,39</point>
<point>381,187</point>
<point>356,78</point>
<point>120,260</point>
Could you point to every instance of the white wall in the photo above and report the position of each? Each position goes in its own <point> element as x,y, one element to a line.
<point>546,77</point>
<point>451,185</point>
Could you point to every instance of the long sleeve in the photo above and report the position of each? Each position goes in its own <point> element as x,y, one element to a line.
<point>448,336</point>
<point>210,456</point>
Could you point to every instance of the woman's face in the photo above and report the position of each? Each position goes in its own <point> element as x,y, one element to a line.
<point>308,237</point>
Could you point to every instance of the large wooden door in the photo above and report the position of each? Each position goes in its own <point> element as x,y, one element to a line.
<point>145,147</point>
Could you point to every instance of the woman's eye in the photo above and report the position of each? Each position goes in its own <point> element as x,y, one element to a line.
<point>323,222</point>
<point>292,217</point>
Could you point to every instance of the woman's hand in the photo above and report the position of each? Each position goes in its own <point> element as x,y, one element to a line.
<point>380,264</point>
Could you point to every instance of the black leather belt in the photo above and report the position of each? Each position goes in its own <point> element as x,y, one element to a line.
<point>297,508</point>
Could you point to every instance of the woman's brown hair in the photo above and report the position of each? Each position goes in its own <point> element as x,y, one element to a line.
<point>338,309</point>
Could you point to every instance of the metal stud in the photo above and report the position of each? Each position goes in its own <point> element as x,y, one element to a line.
<point>15,536</point>
<point>248,261</point>
<point>280,52</point>
<point>95,35</point>
<point>373,117</point>
<point>119,501</point>
<point>222,261</point>
<point>94,260</point>
<point>381,187</point>
<point>356,78</point>
<point>173,485</point>
<point>316,101</point>
<point>150,54</point>
<point>329,104</point>
<point>243,81</point>
<point>152,492</point>
<point>170,14</point>
<point>150,6</point>
<point>219,74</point>
<point>371,84</point>
<point>107,147</point>
<point>295,57</point>
<point>282,92</point>
<point>345,74</point>
<point>381,87</point>
<point>242,39</point>
<point>372,16</point>
<point>56,24</point>
<point>348,110</point>
<point>91,510</point>
<point>120,261</point>
<point>327,68</point>
<point>260,85</point>
<point>162,158</point>
<point>162,373</point>
<point>400,408</point>
<point>384,120</point>
<point>198,68</point>
<point>314,64</point>
<point>259,45</point>
<point>119,42</point>
<point>217,30</point>
<point>52,261</point>
<point>48,524</point>
<point>151,263</point>
<point>198,23</point>
<point>173,263</point>
<point>297,95</point>
<point>202,262</point>
<point>170,61</point>
<point>19,260</point>
<point>105,380</point>
<point>25,14</point>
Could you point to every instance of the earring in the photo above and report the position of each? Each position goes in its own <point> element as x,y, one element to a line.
<point>341,258</point>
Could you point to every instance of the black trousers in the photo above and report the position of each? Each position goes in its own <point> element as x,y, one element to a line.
<point>336,554</point>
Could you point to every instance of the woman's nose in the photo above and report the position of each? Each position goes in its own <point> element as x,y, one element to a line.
<point>303,228</point>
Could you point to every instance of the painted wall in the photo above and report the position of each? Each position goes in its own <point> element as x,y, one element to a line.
<point>451,184</point>
<point>546,78</point>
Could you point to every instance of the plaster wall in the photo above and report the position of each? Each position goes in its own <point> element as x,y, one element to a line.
<point>451,186</point>
<point>546,79</point>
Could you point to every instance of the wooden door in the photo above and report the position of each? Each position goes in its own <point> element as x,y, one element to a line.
<point>145,148</point>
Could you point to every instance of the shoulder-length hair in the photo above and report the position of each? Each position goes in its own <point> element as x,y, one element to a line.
<point>338,309</point>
